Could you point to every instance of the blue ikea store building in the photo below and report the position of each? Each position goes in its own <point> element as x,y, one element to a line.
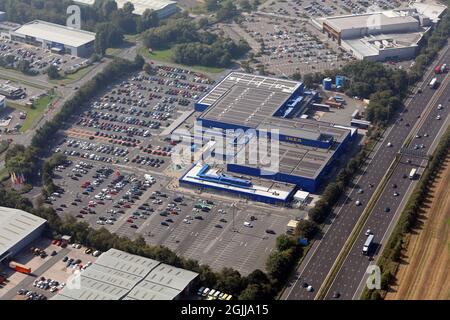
<point>269,106</point>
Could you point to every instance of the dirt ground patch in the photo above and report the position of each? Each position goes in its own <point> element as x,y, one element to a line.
<point>423,273</point>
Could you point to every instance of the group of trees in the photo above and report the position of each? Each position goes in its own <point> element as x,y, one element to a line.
<point>19,159</point>
<point>194,47</point>
<point>220,53</point>
<point>9,61</point>
<point>47,173</point>
<point>224,10</point>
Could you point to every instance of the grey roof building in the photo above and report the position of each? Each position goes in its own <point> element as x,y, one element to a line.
<point>18,229</point>
<point>117,275</point>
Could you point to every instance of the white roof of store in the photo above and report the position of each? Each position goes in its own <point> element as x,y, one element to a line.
<point>56,33</point>
<point>15,225</point>
<point>117,275</point>
<point>139,5</point>
<point>363,20</point>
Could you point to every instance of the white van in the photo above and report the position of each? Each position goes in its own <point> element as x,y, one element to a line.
<point>247,224</point>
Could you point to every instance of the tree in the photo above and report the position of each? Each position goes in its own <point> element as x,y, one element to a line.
<point>307,229</point>
<point>278,264</point>
<point>52,72</point>
<point>229,280</point>
<point>24,66</point>
<point>284,242</point>
<point>149,19</point>
<point>203,22</point>
<point>296,76</point>
<point>245,5</point>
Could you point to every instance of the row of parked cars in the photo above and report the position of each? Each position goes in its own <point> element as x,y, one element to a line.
<point>212,294</point>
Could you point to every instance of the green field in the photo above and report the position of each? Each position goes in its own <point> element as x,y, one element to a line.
<point>166,56</point>
<point>32,113</point>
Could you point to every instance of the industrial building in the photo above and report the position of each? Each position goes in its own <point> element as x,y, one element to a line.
<point>18,229</point>
<point>163,8</point>
<point>379,36</point>
<point>306,148</point>
<point>2,101</point>
<point>12,92</point>
<point>117,275</point>
<point>55,37</point>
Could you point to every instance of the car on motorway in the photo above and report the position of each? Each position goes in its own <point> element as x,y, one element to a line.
<point>389,144</point>
<point>336,295</point>
<point>358,203</point>
<point>360,191</point>
<point>438,117</point>
<point>396,194</point>
<point>309,288</point>
<point>439,107</point>
<point>387,209</point>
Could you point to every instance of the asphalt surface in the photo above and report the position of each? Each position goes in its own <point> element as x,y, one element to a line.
<point>319,261</point>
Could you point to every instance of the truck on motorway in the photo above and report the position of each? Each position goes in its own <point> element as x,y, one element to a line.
<point>367,244</point>
<point>412,173</point>
<point>433,83</point>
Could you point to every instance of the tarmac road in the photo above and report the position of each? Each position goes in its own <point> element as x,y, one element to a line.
<point>319,260</point>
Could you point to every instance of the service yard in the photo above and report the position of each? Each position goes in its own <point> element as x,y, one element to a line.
<point>423,274</point>
<point>50,272</point>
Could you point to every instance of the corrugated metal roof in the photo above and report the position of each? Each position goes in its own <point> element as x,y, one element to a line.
<point>56,33</point>
<point>15,225</point>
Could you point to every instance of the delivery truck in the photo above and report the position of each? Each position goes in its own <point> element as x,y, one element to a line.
<point>19,267</point>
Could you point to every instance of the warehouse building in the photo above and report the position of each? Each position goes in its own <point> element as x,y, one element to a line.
<point>384,35</point>
<point>164,8</point>
<point>18,229</point>
<point>55,37</point>
<point>306,148</point>
<point>117,275</point>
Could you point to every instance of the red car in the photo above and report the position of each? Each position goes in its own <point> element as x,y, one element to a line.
<point>58,243</point>
<point>126,206</point>
<point>54,241</point>
<point>130,220</point>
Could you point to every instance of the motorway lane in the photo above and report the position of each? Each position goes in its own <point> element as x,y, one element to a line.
<point>316,267</point>
<point>353,270</point>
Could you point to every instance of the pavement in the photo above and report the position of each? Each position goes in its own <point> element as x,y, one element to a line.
<point>320,259</point>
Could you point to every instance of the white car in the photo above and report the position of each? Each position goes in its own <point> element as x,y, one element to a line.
<point>439,107</point>
<point>247,224</point>
<point>389,144</point>
<point>368,232</point>
<point>358,203</point>
<point>438,117</point>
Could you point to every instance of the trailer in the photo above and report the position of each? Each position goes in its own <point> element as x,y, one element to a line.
<point>19,267</point>
<point>433,83</point>
<point>367,244</point>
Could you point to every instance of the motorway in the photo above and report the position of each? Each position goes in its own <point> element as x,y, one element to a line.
<point>348,281</point>
<point>320,259</point>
